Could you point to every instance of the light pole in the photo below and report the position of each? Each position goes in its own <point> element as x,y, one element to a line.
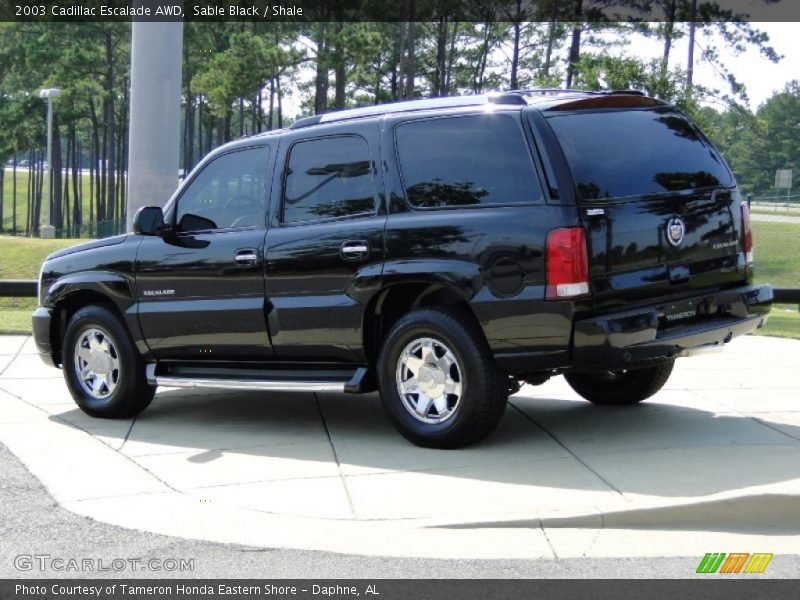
<point>47,230</point>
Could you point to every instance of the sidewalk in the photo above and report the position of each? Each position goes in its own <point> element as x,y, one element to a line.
<point>710,463</point>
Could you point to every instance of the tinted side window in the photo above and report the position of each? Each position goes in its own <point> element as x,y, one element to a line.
<point>328,178</point>
<point>623,153</point>
<point>228,192</point>
<point>463,161</point>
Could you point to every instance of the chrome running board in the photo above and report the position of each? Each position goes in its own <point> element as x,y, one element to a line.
<point>246,384</point>
<point>231,383</point>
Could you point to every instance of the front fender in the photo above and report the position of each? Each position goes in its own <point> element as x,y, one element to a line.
<point>115,286</point>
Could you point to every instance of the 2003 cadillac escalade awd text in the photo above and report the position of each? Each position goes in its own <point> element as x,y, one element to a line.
<point>440,251</point>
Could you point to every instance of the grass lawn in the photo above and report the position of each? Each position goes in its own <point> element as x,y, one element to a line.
<point>22,196</point>
<point>777,262</point>
<point>20,258</point>
<point>15,322</point>
<point>777,250</point>
<point>784,321</point>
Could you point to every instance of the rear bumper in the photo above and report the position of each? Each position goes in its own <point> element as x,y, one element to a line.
<point>41,334</point>
<point>641,336</point>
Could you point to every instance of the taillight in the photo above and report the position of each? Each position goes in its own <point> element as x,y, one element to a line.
<point>567,264</point>
<point>747,234</point>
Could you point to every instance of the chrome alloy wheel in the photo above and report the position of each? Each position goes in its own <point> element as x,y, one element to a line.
<point>429,380</point>
<point>97,363</point>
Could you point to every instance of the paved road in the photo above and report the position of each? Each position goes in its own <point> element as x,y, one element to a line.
<point>32,523</point>
<point>711,463</point>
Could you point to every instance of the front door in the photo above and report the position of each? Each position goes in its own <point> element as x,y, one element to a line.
<point>325,244</point>
<point>201,286</point>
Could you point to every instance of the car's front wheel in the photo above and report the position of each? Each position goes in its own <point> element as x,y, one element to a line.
<point>621,387</point>
<point>438,380</point>
<point>104,372</point>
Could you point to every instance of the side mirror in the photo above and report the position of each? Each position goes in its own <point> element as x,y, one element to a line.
<point>149,220</point>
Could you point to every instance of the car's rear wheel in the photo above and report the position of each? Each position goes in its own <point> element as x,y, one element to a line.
<point>438,381</point>
<point>620,387</point>
<point>104,372</point>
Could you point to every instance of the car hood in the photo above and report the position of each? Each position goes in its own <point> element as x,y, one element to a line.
<point>109,241</point>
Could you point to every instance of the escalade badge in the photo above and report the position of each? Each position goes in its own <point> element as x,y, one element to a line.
<point>675,231</point>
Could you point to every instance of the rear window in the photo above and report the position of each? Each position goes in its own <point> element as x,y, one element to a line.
<point>637,152</point>
<point>466,161</point>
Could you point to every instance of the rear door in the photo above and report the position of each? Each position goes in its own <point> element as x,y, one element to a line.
<point>325,244</point>
<point>660,205</point>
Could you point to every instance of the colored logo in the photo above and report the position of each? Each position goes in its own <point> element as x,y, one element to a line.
<point>719,562</point>
<point>675,231</point>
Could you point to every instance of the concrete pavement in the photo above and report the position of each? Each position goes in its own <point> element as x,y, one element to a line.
<point>711,463</point>
<point>32,524</point>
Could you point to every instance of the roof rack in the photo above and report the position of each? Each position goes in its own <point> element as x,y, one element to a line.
<point>513,97</point>
<point>555,91</point>
<point>411,105</point>
<point>548,91</point>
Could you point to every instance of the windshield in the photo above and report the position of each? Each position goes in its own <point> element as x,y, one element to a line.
<point>621,153</point>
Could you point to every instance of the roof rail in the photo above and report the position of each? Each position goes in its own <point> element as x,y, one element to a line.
<point>512,97</point>
<point>410,105</point>
<point>544,91</point>
<point>306,122</point>
<point>629,92</point>
<point>554,91</point>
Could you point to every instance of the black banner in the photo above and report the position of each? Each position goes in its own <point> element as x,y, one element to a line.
<point>399,589</point>
<point>401,10</point>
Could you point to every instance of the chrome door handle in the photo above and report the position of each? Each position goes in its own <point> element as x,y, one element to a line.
<point>247,256</point>
<point>355,249</point>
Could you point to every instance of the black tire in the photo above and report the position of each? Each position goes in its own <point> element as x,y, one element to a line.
<point>131,393</point>
<point>484,391</point>
<point>623,387</point>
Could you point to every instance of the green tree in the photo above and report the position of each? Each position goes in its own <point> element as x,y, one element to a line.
<point>778,146</point>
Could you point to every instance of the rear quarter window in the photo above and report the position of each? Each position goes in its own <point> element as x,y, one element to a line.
<point>622,153</point>
<point>466,161</point>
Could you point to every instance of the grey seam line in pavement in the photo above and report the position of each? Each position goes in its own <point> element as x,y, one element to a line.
<point>386,471</point>
<point>336,457</point>
<point>128,433</point>
<point>15,356</point>
<point>597,535</point>
<point>187,449</point>
<point>141,466</point>
<point>256,481</point>
<point>547,539</point>
<point>115,496</point>
<point>773,428</point>
<point>94,437</point>
<point>560,443</point>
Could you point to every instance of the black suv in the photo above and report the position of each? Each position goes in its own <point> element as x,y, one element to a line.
<point>440,251</point>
